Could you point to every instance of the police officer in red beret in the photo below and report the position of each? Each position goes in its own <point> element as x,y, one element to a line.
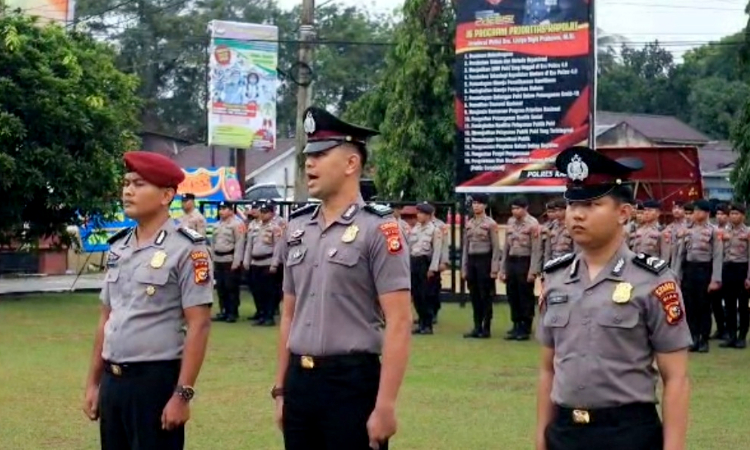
<point>155,317</point>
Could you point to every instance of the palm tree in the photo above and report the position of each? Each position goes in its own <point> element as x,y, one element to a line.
<point>607,51</point>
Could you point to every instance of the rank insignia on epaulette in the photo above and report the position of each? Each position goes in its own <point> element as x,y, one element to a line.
<point>560,261</point>
<point>119,235</point>
<point>378,209</point>
<point>650,263</point>
<point>191,234</point>
<point>303,210</point>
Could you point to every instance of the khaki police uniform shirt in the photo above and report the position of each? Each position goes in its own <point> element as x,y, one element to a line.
<point>404,226</point>
<point>337,274</point>
<point>279,221</point>
<point>736,245</point>
<point>446,247</point>
<point>669,238</point>
<point>262,243</point>
<point>560,242</point>
<point>605,332</point>
<point>228,243</point>
<point>195,221</point>
<point>522,239</point>
<point>147,288</point>
<point>648,240</point>
<point>700,243</point>
<point>427,240</point>
<point>480,238</point>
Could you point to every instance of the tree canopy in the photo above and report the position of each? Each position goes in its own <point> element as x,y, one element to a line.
<point>66,117</point>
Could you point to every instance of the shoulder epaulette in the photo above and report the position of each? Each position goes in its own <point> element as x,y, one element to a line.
<point>119,235</point>
<point>558,263</point>
<point>194,236</point>
<point>652,264</point>
<point>307,209</point>
<point>378,209</point>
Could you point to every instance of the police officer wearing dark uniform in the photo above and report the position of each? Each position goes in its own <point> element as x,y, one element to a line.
<point>736,277</point>
<point>606,315</point>
<point>480,262</point>
<point>155,317</point>
<point>346,301</point>
<point>699,264</point>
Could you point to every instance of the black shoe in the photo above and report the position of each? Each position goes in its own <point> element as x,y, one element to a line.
<point>523,336</point>
<point>513,331</point>
<point>219,318</point>
<point>473,334</point>
<point>231,319</point>
<point>703,347</point>
<point>416,330</point>
<point>694,347</point>
<point>426,330</point>
<point>268,323</point>
<point>719,336</point>
<point>729,343</point>
<point>255,316</point>
<point>511,337</point>
<point>259,322</point>
<point>486,331</point>
<point>740,343</point>
<point>434,321</point>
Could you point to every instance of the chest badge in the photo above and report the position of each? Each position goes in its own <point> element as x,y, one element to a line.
<point>622,293</point>
<point>332,252</point>
<point>350,234</point>
<point>150,291</point>
<point>157,261</point>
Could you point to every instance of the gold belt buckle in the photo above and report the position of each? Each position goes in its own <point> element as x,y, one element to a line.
<point>307,362</point>
<point>116,370</point>
<point>581,416</point>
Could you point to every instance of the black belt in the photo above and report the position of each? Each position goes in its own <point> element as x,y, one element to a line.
<point>518,256</point>
<point>421,256</point>
<point>479,255</point>
<point>738,263</point>
<point>333,361</point>
<point>260,257</point>
<point>605,416</point>
<point>227,253</point>
<point>699,263</point>
<point>137,368</point>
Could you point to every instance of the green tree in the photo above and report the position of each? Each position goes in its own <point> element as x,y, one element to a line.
<point>740,176</point>
<point>66,117</point>
<point>413,106</point>
<point>714,105</point>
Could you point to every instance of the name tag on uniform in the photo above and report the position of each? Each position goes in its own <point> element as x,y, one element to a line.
<point>557,299</point>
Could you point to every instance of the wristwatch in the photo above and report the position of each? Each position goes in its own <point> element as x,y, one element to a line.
<point>185,392</point>
<point>277,391</point>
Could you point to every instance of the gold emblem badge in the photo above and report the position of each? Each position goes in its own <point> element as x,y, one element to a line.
<point>581,416</point>
<point>116,370</point>
<point>158,260</point>
<point>150,290</point>
<point>307,362</point>
<point>622,293</point>
<point>350,234</point>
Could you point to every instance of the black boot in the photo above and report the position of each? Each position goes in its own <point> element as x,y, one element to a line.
<point>513,332</point>
<point>694,348</point>
<point>703,346</point>
<point>486,331</point>
<point>524,331</point>
<point>476,332</point>
<point>730,341</point>
<point>220,317</point>
<point>741,343</point>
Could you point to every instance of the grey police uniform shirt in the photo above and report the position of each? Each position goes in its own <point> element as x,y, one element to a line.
<point>522,239</point>
<point>605,333</point>
<point>647,239</point>
<point>228,241</point>
<point>427,240</point>
<point>261,244</point>
<point>700,243</point>
<point>736,245</point>
<point>446,247</point>
<point>147,289</point>
<point>481,238</point>
<point>195,221</point>
<point>337,274</point>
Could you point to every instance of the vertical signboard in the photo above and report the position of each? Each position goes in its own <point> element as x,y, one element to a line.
<point>60,11</point>
<point>242,83</point>
<point>525,81</point>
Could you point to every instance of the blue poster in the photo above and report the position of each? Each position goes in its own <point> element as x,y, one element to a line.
<point>212,184</point>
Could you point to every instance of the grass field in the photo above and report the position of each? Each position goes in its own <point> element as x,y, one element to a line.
<point>458,395</point>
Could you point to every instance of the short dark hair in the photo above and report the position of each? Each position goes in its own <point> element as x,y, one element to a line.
<point>622,194</point>
<point>520,202</point>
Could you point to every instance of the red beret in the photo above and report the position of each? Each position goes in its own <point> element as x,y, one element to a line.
<point>155,168</point>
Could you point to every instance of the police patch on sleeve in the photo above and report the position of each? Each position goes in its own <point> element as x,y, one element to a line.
<point>669,298</point>
<point>392,234</point>
<point>201,272</point>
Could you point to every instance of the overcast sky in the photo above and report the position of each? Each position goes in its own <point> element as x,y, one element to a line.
<point>679,24</point>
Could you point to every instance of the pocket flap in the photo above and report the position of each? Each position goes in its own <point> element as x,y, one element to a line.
<point>295,256</point>
<point>625,316</point>
<point>346,257</point>
<point>147,275</point>
<point>112,275</point>
<point>557,316</point>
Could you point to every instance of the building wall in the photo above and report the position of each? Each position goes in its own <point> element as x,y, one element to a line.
<point>623,136</point>
<point>717,187</point>
<point>283,173</point>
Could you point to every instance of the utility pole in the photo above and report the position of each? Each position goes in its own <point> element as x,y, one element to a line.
<point>304,91</point>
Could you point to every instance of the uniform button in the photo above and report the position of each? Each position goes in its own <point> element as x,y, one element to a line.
<point>589,292</point>
<point>554,319</point>
<point>308,323</point>
<point>315,265</point>
<point>323,235</point>
<point>581,387</point>
<point>312,294</point>
<point>618,319</point>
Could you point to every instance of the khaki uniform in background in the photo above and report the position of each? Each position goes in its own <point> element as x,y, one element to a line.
<point>227,248</point>
<point>195,221</point>
<point>425,248</point>
<point>647,240</point>
<point>735,274</point>
<point>480,263</point>
<point>521,254</point>
<point>259,251</point>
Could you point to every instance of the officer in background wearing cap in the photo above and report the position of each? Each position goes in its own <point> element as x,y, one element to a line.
<point>717,297</point>
<point>560,242</point>
<point>480,263</point>
<point>671,232</point>
<point>519,267</point>
<point>346,301</point>
<point>647,238</point>
<point>606,315</point>
<point>700,256</point>
<point>258,260</point>
<point>437,283</point>
<point>158,281</point>
<point>277,270</point>
<point>425,247</point>
<point>736,277</point>
<point>253,225</point>
<point>192,218</point>
<point>545,229</point>
<point>228,248</point>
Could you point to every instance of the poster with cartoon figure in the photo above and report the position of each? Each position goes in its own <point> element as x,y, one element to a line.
<point>242,85</point>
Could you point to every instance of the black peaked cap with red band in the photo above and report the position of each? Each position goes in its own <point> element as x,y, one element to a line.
<point>155,168</point>
<point>591,174</point>
<point>325,131</point>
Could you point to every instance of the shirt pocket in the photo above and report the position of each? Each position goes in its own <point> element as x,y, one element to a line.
<point>112,276</point>
<point>557,316</point>
<point>153,277</point>
<point>348,257</point>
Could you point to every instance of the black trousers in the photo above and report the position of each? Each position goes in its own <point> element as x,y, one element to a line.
<point>630,427</point>
<point>252,287</point>
<point>265,287</point>
<point>479,269</point>
<point>736,299</point>
<point>519,291</point>
<point>228,288</point>
<point>131,401</point>
<point>278,288</point>
<point>420,265</point>
<point>327,407</point>
<point>434,286</point>
<point>696,276</point>
<point>716,298</point>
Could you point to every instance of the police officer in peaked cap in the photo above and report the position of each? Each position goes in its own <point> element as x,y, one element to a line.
<point>155,317</point>
<point>607,314</point>
<point>346,301</point>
